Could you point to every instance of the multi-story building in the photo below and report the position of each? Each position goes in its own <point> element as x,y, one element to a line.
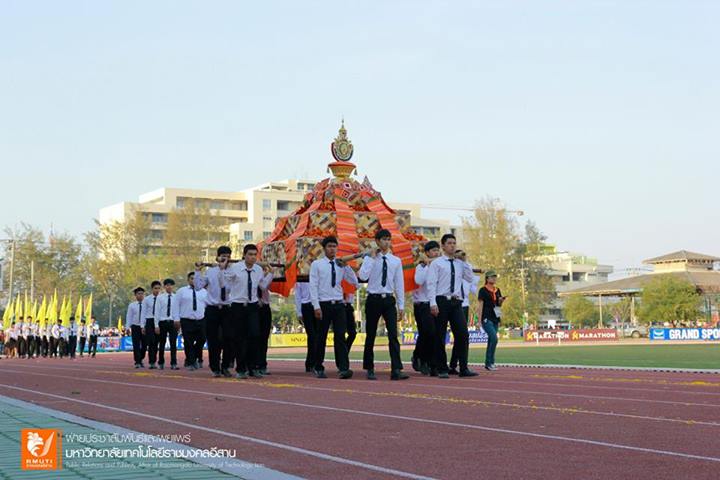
<point>249,215</point>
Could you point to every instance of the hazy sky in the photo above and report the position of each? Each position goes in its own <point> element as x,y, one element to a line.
<point>598,119</point>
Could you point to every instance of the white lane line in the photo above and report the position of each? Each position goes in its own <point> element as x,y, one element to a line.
<point>384,415</point>
<point>235,467</point>
<point>576,410</point>
<point>324,456</point>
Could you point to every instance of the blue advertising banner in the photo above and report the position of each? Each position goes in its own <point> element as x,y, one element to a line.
<point>709,334</point>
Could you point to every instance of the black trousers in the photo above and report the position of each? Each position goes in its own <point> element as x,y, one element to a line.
<point>167,330</point>
<point>53,345</point>
<point>151,340</point>
<point>242,334</point>
<point>72,345</point>
<point>425,344</point>
<point>376,307</point>
<point>193,339</point>
<point>62,347</point>
<point>308,319</point>
<point>265,318</point>
<point>92,346</point>
<point>82,345</point>
<point>450,312</point>
<point>22,346</point>
<point>45,348</point>
<point>138,343</point>
<point>332,314</point>
<point>351,326</point>
<point>215,317</point>
<point>454,355</point>
<point>30,345</point>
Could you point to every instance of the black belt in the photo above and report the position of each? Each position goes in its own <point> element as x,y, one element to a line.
<point>421,303</point>
<point>332,302</point>
<point>245,304</point>
<point>217,307</point>
<point>381,295</point>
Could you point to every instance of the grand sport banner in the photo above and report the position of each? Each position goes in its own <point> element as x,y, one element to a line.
<point>579,335</point>
<point>709,334</point>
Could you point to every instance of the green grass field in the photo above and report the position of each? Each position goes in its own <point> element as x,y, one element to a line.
<point>705,356</point>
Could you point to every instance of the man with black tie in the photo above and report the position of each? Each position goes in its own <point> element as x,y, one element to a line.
<point>241,332</point>
<point>134,323</point>
<point>306,315</point>
<point>168,323</point>
<point>217,311</point>
<point>191,310</point>
<point>82,334</point>
<point>466,290</point>
<point>386,298</point>
<point>93,329</point>
<point>150,329</point>
<point>72,338</point>
<point>444,284</point>
<point>326,293</point>
<point>265,319</point>
<point>423,359</point>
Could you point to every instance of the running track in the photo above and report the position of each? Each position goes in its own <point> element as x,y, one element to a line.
<point>513,423</point>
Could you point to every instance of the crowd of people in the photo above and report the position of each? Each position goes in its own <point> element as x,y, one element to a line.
<point>28,339</point>
<point>227,304</point>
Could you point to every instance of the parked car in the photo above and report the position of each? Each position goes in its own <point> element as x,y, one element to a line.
<point>628,330</point>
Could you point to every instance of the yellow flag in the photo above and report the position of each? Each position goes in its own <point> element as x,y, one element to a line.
<point>79,310</point>
<point>88,308</point>
<point>35,311</point>
<point>7,316</point>
<point>27,308</point>
<point>18,308</point>
<point>64,311</point>
<point>42,313</point>
<point>53,314</point>
<point>119,327</point>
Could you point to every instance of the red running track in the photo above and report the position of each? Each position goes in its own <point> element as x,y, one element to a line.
<point>513,423</point>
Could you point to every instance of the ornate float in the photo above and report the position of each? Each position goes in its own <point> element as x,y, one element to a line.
<point>352,211</point>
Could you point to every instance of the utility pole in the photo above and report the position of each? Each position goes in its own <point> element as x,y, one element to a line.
<point>32,279</point>
<point>12,268</point>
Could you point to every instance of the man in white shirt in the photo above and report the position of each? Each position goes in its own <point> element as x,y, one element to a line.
<point>218,306</point>
<point>386,297</point>
<point>168,320</point>
<point>466,290</point>
<point>150,316</point>
<point>423,359</point>
<point>30,338</point>
<point>306,315</point>
<point>444,285</point>
<point>134,323</point>
<point>191,312</point>
<point>265,319</point>
<point>45,332</point>
<point>93,329</point>
<point>63,341</point>
<point>82,334</point>
<point>22,338</point>
<point>241,331</point>
<point>326,293</point>
<point>55,338</point>
<point>72,338</point>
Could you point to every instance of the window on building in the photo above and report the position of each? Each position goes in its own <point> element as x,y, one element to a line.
<point>283,205</point>
<point>238,205</point>
<point>248,235</point>
<point>267,204</point>
<point>266,234</point>
<point>157,234</point>
<point>159,218</point>
<point>218,204</point>
<point>180,202</point>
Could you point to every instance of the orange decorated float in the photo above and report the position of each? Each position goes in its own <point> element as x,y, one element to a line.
<point>352,211</point>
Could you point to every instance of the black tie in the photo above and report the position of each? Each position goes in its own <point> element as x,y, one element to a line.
<point>154,302</point>
<point>140,312</point>
<point>194,301</point>
<point>168,308</point>
<point>249,272</point>
<point>462,291</point>
<point>333,277</point>
<point>452,276</point>
<point>384,276</point>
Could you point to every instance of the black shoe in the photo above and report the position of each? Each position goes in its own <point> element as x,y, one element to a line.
<point>433,372</point>
<point>443,375</point>
<point>161,366</point>
<point>371,375</point>
<point>199,364</point>
<point>142,365</point>
<point>152,366</point>
<point>468,373</point>
<point>137,365</point>
<point>398,375</point>
<point>491,368</point>
<point>226,373</point>
<point>190,368</point>
<point>425,370</point>
<point>241,375</point>
<point>345,374</point>
<point>416,363</point>
<point>320,373</point>
<point>216,374</point>
<point>196,365</point>
<point>174,367</point>
<point>93,355</point>
<point>256,373</point>
<point>309,370</point>
<point>263,372</point>
<point>453,371</point>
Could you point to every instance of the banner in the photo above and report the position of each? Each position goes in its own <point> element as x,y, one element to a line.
<point>579,335</point>
<point>708,334</point>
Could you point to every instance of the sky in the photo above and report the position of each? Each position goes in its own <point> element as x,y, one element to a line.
<point>598,119</point>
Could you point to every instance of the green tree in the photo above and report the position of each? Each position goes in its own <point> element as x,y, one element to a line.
<point>578,310</point>
<point>669,299</point>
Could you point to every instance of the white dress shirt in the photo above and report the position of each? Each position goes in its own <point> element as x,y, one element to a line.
<point>55,331</point>
<point>213,281</point>
<point>420,294</point>
<point>161,310</point>
<point>321,289</point>
<point>302,295</point>
<point>34,327</point>
<point>371,270</point>
<point>25,329</point>
<point>469,288</point>
<point>237,277</point>
<point>82,330</point>
<point>133,315</point>
<point>92,329</point>
<point>64,332</point>
<point>150,309</point>
<point>438,279</point>
<point>13,332</point>
<point>184,300</point>
<point>72,331</point>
